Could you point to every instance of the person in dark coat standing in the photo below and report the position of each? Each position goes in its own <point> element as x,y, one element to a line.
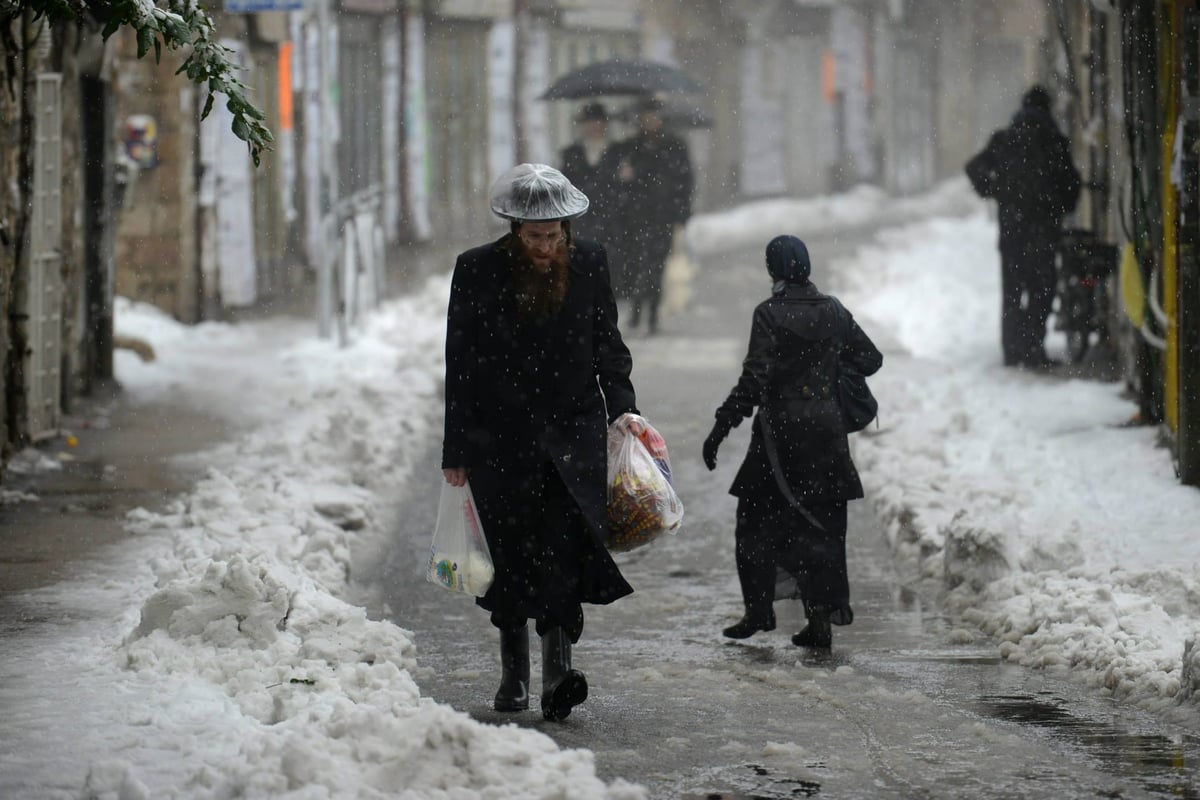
<point>536,370</point>
<point>653,200</point>
<point>587,163</point>
<point>797,477</point>
<point>1027,169</point>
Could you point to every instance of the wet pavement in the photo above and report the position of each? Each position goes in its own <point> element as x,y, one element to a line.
<point>124,457</point>
<point>906,705</point>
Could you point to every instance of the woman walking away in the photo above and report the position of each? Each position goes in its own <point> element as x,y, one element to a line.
<point>793,486</point>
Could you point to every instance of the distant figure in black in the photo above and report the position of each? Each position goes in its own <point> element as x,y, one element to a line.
<point>1027,169</point>
<point>654,186</point>
<point>587,164</point>
<point>797,477</point>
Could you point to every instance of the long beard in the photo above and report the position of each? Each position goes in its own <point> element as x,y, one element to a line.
<point>539,291</point>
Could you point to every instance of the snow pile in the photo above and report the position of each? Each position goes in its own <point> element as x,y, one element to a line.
<point>1047,523</point>
<point>290,690</point>
<point>31,461</point>
<point>754,224</point>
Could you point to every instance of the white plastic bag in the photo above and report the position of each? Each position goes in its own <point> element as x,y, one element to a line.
<point>679,275</point>
<point>642,503</point>
<point>459,559</point>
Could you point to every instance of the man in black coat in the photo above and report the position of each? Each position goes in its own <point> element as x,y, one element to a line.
<point>535,372</point>
<point>653,199</point>
<point>798,475</point>
<point>587,164</point>
<point>1027,169</point>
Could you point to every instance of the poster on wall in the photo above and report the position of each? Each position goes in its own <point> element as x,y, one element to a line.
<point>764,162</point>
<point>535,120</point>
<point>850,42</point>
<point>226,158</point>
<point>416,124</point>
<point>502,145</point>
<point>313,215</point>
<point>392,197</point>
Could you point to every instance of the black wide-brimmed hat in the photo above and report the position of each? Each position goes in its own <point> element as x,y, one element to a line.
<point>591,112</point>
<point>648,103</point>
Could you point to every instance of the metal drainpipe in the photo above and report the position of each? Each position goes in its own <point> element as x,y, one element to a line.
<point>1169,76</point>
<point>1188,293</point>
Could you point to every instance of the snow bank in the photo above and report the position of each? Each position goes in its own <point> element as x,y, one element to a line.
<point>1046,522</point>
<point>290,691</point>
<point>756,223</point>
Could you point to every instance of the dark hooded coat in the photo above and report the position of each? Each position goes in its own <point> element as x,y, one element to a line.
<point>798,339</point>
<point>1027,169</point>
<point>528,403</point>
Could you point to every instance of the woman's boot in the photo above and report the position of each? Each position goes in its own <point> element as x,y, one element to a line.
<point>751,624</point>
<point>513,694</point>
<point>817,633</point>
<point>563,688</point>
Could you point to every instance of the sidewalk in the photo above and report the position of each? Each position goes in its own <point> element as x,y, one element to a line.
<point>123,456</point>
<point>123,460</point>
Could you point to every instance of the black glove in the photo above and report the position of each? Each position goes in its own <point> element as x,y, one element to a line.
<point>720,430</point>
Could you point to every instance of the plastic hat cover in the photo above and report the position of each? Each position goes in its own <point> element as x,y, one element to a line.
<point>536,193</point>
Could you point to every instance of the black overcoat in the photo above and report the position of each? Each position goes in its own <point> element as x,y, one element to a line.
<point>1027,169</point>
<point>660,194</point>
<point>595,181</point>
<point>797,340</point>
<point>522,395</point>
<point>647,208</point>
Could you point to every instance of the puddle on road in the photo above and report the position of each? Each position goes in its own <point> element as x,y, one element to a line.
<point>773,788</point>
<point>1169,766</point>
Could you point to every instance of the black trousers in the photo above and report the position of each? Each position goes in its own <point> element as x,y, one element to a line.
<point>781,555</point>
<point>648,255</point>
<point>1027,282</point>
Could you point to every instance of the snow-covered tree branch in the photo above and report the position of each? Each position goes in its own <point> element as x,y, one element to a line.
<point>177,25</point>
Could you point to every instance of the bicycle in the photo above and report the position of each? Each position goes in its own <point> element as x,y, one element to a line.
<point>1083,266</point>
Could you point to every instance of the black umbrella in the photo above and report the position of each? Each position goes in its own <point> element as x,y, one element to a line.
<point>620,76</point>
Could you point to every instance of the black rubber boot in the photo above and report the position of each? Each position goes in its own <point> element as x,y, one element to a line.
<point>563,688</point>
<point>817,633</point>
<point>750,624</point>
<point>513,694</point>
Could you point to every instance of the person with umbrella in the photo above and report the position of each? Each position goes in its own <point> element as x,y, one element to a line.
<point>585,164</point>
<point>536,370</point>
<point>620,76</point>
<point>653,194</point>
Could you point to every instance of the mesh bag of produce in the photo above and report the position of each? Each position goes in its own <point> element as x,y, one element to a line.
<point>642,503</point>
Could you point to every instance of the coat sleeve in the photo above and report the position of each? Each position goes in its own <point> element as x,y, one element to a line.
<point>1068,182</point>
<point>460,355</point>
<point>685,184</point>
<point>756,371</point>
<point>983,170</point>
<point>859,351</point>
<point>611,360</point>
